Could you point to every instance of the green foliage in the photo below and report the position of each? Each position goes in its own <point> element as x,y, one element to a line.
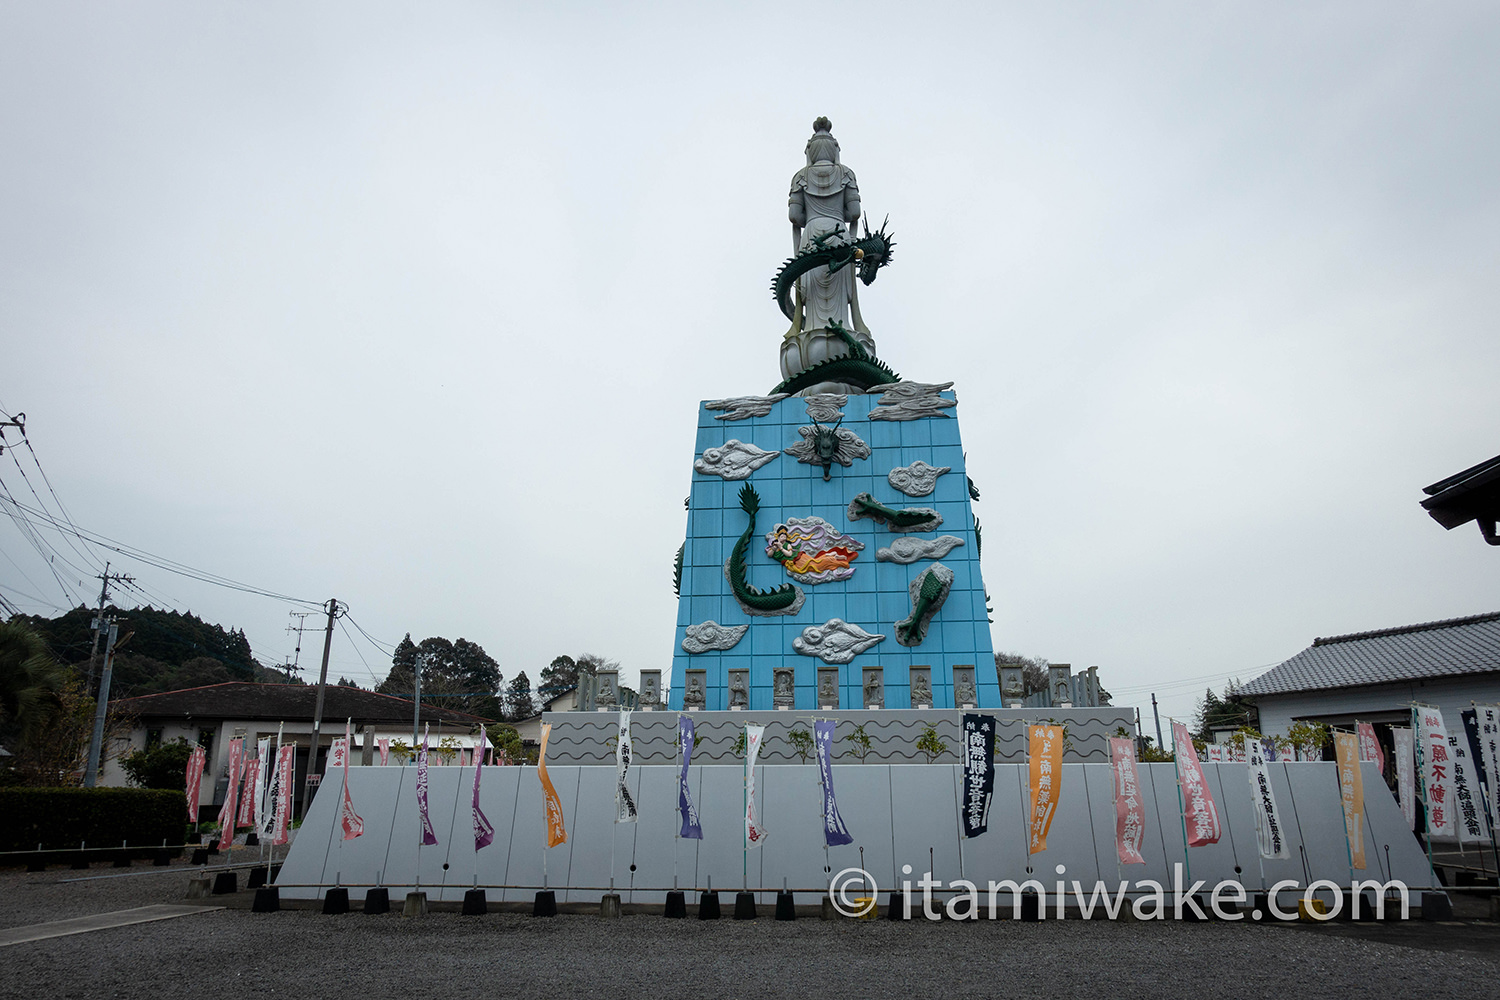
<point>507,740</point>
<point>739,743</point>
<point>930,745</point>
<point>519,704</point>
<point>677,570</point>
<point>31,682</point>
<point>1310,738</point>
<point>802,743</point>
<point>161,766</point>
<point>859,743</point>
<point>65,817</point>
<point>458,675</point>
<point>1215,713</point>
<point>161,648</point>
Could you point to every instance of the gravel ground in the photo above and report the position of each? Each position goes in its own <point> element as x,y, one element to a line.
<point>303,953</point>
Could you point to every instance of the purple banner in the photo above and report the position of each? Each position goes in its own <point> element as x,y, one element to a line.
<point>484,830</point>
<point>834,830</point>
<point>685,738</point>
<point>428,836</point>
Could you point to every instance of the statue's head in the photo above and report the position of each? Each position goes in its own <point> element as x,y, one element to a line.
<point>822,147</point>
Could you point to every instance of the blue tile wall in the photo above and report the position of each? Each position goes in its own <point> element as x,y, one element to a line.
<point>875,598</point>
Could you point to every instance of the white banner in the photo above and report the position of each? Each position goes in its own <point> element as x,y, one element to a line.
<point>1468,810</point>
<point>1269,834</point>
<point>338,753</point>
<point>1406,773</point>
<point>262,782</point>
<point>755,833</point>
<point>1489,749</point>
<point>1435,770</point>
<point>624,803</point>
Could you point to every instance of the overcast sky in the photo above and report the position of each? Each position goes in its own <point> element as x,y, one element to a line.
<point>411,305</point>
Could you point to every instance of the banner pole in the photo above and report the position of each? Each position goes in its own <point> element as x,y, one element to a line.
<point>1187,863</point>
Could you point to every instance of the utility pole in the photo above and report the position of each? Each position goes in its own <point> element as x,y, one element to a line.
<point>299,628</point>
<point>1159,744</point>
<point>96,744</point>
<point>312,753</point>
<point>99,623</point>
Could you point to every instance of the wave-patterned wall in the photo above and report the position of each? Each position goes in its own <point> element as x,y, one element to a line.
<point>589,738</point>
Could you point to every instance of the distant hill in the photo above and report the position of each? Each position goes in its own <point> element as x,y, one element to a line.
<point>165,651</point>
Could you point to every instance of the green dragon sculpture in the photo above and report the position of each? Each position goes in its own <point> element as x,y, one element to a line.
<point>859,368</point>
<point>870,253</point>
<point>906,519</point>
<point>929,591</point>
<point>784,600</point>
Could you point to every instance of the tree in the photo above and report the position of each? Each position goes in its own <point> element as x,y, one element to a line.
<point>1215,713</point>
<point>345,682</point>
<point>557,677</point>
<point>1033,669</point>
<point>459,675</point>
<point>162,766</point>
<point>31,682</point>
<point>507,742</point>
<point>519,703</point>
<point>55,757</point>
<point>930,744</point>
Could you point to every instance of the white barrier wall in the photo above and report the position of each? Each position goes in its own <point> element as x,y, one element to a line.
<point>896,812</point>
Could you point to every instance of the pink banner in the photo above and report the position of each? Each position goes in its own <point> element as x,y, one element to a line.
<point>194,782</point>
<point>286,759</point>
<point>1198,809</point>
<point>354,825</point>
<point>1436,772</point>
<point>1130,811</point>
<point>227,813</point>
<point>384,745</point>
<point>246,815</point>
<point>1369,746</point>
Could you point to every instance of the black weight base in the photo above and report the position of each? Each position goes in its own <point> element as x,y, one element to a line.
<point>676,905</point>
<point>336,901</point>
<point>1031,908</point>
<point>161,859</point>
<point>896,908</point>
<point>200,856</point>
<point>378,900</point>
<point>744,906</point>
<point>786,907</point>
<point>267,900</point>
<point>475,904</point>
<point>225,884</point>
<point>708,906</point>
<point>545,905</point>
<point>257,878</point>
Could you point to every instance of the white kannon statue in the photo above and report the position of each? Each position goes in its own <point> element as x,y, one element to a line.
<point>824,199</point>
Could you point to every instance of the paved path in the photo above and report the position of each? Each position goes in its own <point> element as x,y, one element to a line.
<point>97,922</point>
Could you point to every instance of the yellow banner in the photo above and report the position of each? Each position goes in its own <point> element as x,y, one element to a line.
<point>1352,791</point>
<point>556,832</point>
<point>1045,755</point>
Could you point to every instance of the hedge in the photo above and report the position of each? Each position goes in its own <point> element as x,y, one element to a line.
<point>102,817</point>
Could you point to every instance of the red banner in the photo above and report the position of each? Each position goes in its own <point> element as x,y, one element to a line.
<point>1130,811</point>
<point>1198,809</point>
<point>194,782</point>
<point>286,759</point>
<point>1369,746</point>
<point>246,814</point>
<point>354,824</point>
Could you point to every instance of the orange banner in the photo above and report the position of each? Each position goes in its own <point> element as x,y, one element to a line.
<point>556,832</point>
<point>1045,755</point>
<point>1352,791</point>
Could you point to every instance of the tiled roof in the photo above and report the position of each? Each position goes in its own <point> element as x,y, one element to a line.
<point>1432,649</point>
<point>283,702</point>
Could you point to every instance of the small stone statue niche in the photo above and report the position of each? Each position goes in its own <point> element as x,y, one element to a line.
<point>608,689</point>
<point>783,690</point>
<point>695,685</point>
<point>828,687</point>
<point>921,687</point>
<point>1013,686</point>
<point>650,689</point>
<point>965,695</point>
<point>739,690</point>
<point>1060,684</point>
<point>874,687</point>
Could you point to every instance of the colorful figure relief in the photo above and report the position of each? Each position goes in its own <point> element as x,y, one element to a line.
<point>813,550</point>
<point>928,592</point>
<point>786,599</point>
